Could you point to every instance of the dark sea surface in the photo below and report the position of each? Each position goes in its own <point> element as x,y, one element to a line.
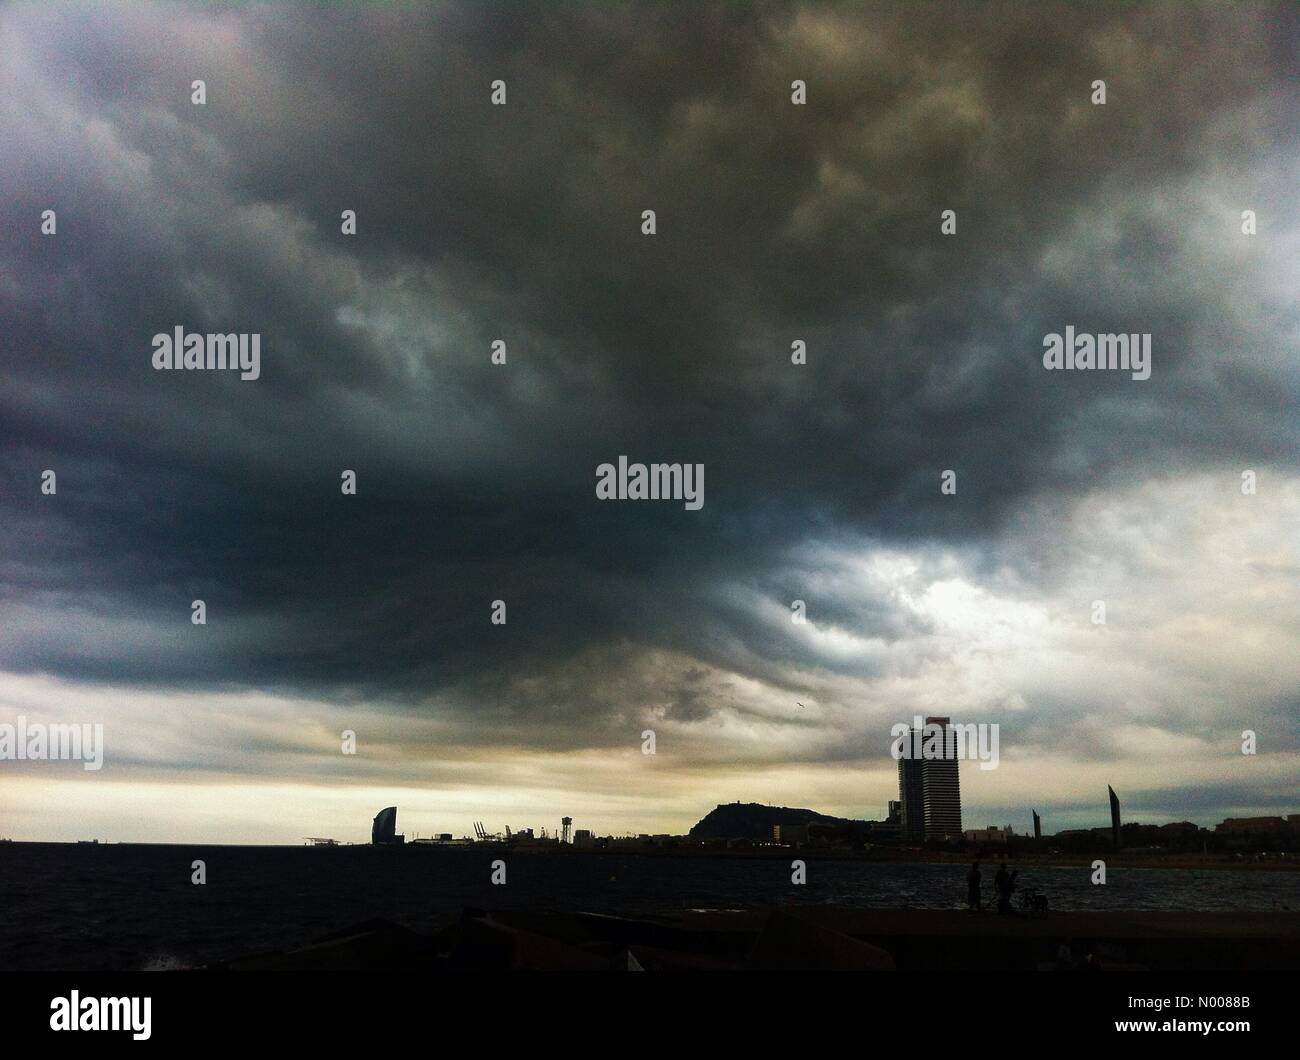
<point>79,907</point>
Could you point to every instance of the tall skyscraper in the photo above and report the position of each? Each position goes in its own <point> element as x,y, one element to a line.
<point>928,787</point>
<point>940,790</point>
<point>911,797</point>
<point>383,830</point>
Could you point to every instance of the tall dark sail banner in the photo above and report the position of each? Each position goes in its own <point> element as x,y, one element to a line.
<point>1114,817</point>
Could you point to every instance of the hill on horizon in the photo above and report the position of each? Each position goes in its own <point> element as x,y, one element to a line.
<point>754,820</point>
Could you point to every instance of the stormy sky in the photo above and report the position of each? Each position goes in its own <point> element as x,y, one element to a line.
<point>775,222</point>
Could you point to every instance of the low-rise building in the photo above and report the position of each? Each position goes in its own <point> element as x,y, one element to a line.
<point>991,834</point>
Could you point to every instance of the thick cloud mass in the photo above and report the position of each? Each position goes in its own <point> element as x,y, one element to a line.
<point>775,223</point>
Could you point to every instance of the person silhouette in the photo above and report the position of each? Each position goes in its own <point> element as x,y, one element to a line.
<point>1002,885</point>
<point>973,899</point>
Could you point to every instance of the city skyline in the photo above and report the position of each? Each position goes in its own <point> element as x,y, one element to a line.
<point>725,373</point>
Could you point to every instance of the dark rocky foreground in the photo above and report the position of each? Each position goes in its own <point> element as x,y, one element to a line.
<point>821,938</point>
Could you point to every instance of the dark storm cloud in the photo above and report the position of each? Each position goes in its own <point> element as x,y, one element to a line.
<point>522,222</point>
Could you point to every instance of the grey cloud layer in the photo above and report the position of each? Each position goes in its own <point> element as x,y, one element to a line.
<point>475,222</point>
